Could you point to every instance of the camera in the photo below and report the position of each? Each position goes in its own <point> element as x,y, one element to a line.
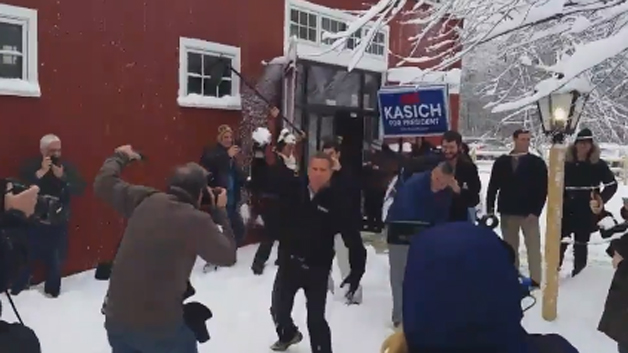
<point>48,208</point>
<point>56,160</point>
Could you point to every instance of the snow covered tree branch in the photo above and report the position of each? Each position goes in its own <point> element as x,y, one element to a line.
<point>580,39</point>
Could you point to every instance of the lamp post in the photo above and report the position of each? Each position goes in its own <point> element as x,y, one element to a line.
<point>559,113</point>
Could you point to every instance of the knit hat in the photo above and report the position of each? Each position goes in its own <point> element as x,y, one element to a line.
<point>222,130</point>
<point>286,137</point>
<point>195,316</point>
<point>585,135</point>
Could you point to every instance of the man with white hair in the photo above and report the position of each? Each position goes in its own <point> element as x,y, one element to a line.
<point>58,181</point>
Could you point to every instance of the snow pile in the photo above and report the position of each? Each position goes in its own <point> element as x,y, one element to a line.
<point>200,101</point>
<point>262,136</point>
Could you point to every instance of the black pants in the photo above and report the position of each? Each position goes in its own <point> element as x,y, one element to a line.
<point>580,248</point>
<point>373,202</point>
<point>292,276</point>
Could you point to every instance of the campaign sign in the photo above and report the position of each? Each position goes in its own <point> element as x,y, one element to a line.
<point>414,111</point>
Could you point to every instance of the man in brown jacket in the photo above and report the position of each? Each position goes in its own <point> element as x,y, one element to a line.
<point>165,233</point>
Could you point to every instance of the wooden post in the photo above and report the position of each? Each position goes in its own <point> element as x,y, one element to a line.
<point>554,213</point>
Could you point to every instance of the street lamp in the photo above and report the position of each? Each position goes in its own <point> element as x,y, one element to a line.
<point>560,113</point>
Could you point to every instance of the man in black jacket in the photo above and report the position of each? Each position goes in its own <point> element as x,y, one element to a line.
<point>466,184</point>
<point>521,180</point>
<point>49,237</point>
<point>585,174</point>
<point>314,214</point>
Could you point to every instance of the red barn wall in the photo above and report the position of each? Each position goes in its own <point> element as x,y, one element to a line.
<point>108,73</point>
<point>109,76</point>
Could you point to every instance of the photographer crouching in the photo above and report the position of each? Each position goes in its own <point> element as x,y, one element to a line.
<point>165,233</point>
<point>14,213</point>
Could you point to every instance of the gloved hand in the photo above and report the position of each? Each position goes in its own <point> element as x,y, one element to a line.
<point>353,282</point>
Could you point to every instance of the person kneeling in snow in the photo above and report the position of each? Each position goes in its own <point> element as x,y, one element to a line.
<point>462,295</point>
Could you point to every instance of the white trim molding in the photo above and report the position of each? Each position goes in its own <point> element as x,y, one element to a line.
<point>28,84</point>
<point>231,101</point>
<point>310,45</point>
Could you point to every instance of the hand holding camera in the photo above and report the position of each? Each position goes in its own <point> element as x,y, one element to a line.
<point>218,196</point>
<point>233,150</point>
<point>24,201</point>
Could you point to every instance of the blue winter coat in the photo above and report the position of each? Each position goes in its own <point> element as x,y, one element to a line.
<point>414,201</point>
<point>462,295</point>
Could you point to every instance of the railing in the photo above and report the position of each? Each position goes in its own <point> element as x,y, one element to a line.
<point>618,165</point>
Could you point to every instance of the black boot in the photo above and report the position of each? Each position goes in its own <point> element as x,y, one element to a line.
<point>280,346</point>
<point>257,269</point>
<point>580,255</point>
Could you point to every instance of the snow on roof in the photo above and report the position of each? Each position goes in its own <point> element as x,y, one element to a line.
<point>414,75</point>
<point>276,61</point>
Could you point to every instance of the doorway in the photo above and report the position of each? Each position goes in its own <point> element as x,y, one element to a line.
<point>350,128</point>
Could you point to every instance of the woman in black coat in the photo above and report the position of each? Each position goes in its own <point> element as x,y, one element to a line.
<point>585,174</point>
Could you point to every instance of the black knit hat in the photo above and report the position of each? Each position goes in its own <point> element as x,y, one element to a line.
<point>585,135</point>
<point>195,315</point>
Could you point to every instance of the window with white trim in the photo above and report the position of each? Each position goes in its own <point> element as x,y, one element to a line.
<point>207,75</point>
<point>332,26</point>
<point>304,25</point>
<point>18,52</point>
<point>378,44</point>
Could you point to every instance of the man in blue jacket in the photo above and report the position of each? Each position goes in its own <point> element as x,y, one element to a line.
<point>463,295</point>
<point>421,201</point>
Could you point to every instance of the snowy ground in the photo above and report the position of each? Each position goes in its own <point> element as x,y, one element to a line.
<point>240,303</point>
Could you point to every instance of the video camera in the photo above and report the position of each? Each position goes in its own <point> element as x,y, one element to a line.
<point>47,209</point>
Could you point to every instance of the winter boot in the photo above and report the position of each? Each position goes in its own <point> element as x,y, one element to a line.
<point>283,346</point>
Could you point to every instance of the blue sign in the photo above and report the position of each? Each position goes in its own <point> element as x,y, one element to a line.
<point>414,111</point>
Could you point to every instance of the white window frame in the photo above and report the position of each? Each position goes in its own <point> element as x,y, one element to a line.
<point>319,51</point>
<point>190,45</point>
<point>28,85</point>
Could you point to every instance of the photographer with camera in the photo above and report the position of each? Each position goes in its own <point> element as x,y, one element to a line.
<point>165,233</point>
<point>58,181</point>
<point>15,210</point>
<point>224,162</point>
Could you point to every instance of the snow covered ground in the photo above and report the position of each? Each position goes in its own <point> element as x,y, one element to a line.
<point>240,302</point>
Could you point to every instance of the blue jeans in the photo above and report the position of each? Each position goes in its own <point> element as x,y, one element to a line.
<point>48,245</point>
<point>237,223</point>
<point>622,348</point>
<point>472,214</point>
<point>124,340</point>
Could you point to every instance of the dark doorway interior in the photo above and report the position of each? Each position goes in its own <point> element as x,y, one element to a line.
<point>333,102</point>
<point>350,127</point>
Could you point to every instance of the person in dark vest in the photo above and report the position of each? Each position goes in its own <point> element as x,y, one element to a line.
<point>520,178</point>
<point>586,175</point>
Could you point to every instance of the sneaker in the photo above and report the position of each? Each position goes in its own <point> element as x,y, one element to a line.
<point>52,295</point>
<point>356,299</point>
<point>257,269</point>
<point>283,346</point>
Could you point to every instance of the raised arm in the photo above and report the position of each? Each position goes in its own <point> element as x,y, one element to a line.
<point>109,187</point>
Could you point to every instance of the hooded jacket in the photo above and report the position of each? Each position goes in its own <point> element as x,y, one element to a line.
<point>464,296</point>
